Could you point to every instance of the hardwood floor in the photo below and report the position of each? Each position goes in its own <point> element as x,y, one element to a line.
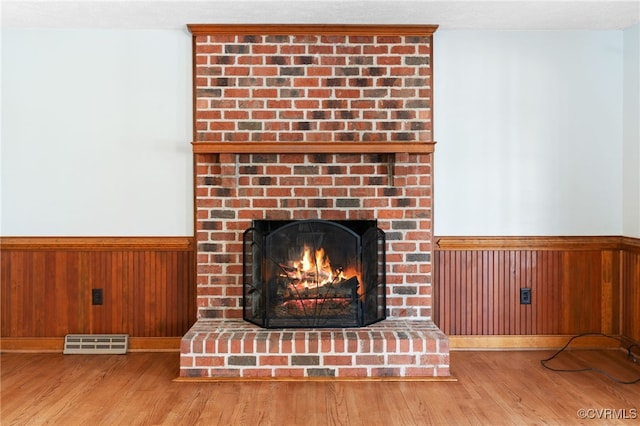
<point>492,388</point>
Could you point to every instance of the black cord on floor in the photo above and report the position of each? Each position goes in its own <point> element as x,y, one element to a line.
<point>630,356</point>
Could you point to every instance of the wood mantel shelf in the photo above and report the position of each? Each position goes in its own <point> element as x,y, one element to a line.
<point>312,147</point>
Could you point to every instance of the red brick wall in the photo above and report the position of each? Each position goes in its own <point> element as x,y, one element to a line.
<point>306,89</point>
<point>313,88</point>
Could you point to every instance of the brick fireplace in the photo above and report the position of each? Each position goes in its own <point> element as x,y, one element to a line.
<point>313,122</point>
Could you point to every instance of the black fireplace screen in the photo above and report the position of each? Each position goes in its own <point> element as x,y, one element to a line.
<point>314,273</point>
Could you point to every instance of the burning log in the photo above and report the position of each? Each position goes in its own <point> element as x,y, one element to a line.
<point>343,289</point>
<point>295,274</point>
<point>351,283</point>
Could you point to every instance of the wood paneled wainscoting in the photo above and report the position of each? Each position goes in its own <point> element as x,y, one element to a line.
<point>630,289</point>
<point>46,283</point>
<point>578,285</point>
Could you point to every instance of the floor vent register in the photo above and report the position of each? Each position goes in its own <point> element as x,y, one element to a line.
<point>103,344</point>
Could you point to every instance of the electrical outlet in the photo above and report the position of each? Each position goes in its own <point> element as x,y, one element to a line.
<point>525,296</point>
<point>97,296</point>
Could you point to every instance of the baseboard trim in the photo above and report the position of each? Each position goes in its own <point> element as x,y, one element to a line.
<point>154,344</point>
<point>520,342</point>
<point>56,344</point>
<point>31,344</point>
<point>456,343</point>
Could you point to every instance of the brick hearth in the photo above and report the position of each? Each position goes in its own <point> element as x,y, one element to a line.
<point>392,348</point>
<point>274,107</point>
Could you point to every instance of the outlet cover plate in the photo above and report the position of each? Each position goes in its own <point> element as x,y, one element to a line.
<point>97,296</point>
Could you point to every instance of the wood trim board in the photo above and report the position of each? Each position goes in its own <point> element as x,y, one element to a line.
<point>459,343</point>
<point>312,148</point>
<point>539,342</point>
<point>310,29</point>
<point>528,243</point>
<point>97,243</point>
<point>56,344</point>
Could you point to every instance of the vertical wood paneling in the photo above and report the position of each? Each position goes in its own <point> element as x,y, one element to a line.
<point>607,297</point>
<point>630,293</point>
<point>578,285</point>
<point>149,291</point>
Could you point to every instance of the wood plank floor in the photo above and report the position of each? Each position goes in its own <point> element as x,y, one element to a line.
<point>492,388</point>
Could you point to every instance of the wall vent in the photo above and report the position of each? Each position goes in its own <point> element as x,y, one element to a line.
<point>113,344</point>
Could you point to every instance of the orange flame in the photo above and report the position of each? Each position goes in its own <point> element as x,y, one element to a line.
<point>314,269</point>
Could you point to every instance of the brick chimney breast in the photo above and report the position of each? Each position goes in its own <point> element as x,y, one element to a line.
<point>295,122</point>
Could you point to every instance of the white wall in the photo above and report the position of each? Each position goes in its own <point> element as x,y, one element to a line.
<point>529,131</point>
<point>96,128</point>
<point>96,131</point>
<point>631,149</point>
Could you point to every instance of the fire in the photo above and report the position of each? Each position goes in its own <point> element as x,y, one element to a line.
<point>314,270</point>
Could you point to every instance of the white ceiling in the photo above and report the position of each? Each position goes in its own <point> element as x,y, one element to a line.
<point>449,14</point>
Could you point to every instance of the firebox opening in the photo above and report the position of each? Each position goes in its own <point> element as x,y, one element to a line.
<point>314,273</point>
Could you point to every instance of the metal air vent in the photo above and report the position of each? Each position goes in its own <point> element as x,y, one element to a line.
<point>112,344</point>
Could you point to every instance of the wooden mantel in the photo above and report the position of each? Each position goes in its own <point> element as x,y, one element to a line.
<point>312,147</point>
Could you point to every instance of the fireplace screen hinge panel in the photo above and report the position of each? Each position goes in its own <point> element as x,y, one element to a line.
<point>314,273</point>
